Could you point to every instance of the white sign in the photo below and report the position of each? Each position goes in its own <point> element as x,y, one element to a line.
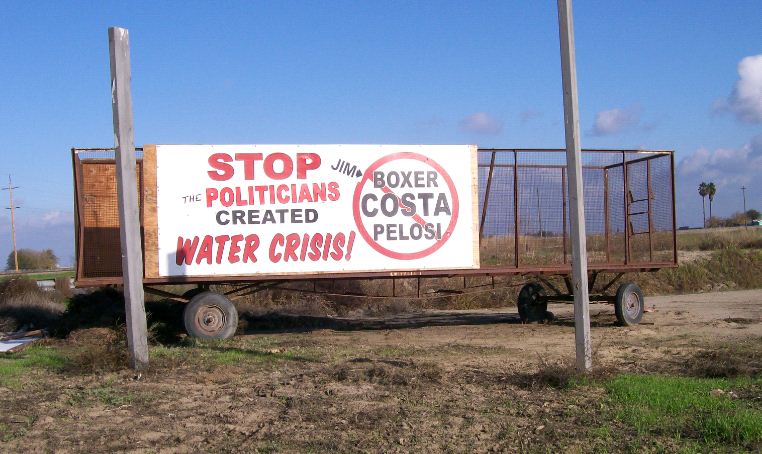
<point>298,209</point>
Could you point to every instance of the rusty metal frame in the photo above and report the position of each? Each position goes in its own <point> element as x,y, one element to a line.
<point>486,197</point>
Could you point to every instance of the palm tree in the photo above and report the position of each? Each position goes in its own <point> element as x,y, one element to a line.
<point>711,190</point>
<point>703,191</point>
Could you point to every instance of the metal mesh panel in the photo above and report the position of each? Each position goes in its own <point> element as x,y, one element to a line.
<point>98,223</point>
<point>497,225</point>
<point>628,217</point>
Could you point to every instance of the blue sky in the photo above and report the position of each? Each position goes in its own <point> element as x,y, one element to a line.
<point>651,74</point>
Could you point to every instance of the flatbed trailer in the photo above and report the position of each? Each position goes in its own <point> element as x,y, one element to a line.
<point>523,230</point>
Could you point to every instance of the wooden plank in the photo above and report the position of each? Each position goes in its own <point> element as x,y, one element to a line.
<point>150,216</point>
<point>584,354</point>
<point>128,199</point>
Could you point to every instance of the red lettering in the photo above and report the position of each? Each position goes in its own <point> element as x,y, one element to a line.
<point>211,195</point>
<point>277,240</point>
<point>292,244</point>
<point>351,243</point>
<point>305,243</point>
<point>227,197</point>
<point>218,162</point>
<point>338,245</point>
<point>288,166</point>
<point>326,246</point>
<point>234,248</point>
<point>333,191</point>
<point>283,194</point>
<point>252,243</point>
<point>185,250</point>
<point>221,240</point>
<point>305,162</point>
<point>315,244</point>
<point>248,163</point>
<point>205,253</point>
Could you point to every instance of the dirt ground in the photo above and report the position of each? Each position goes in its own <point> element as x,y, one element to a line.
<point>435,381</point>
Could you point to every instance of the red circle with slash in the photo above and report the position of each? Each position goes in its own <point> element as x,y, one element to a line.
<point>358,216</point>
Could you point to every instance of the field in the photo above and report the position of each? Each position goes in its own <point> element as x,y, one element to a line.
<point>313,376</point>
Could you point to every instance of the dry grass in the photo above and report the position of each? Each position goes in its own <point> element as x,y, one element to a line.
<point>23,305</point>
<point>719,238</point>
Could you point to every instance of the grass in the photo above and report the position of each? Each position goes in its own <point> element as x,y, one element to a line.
<point>227,352</point>
<point>684,407</point>
<point>106,394</point>
<point>14,366</point>
<point>731,268</point>
<point>720,238</point>
<point>41,276</point>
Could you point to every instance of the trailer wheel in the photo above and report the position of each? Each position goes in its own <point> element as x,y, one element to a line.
<point>629,304</point>
<point>210,315</point>
<point>532,307</point>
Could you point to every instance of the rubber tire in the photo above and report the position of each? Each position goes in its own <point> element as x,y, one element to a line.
<point>624,292</point>
<point>531,307</point>
<point>217,308</point>
<point>193,292</point>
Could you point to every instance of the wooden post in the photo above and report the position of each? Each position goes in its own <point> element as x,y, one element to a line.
<point>576,197</point>
<point>129,217</point>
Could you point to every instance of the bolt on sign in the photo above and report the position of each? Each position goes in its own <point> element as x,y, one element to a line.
<point>295,209</point>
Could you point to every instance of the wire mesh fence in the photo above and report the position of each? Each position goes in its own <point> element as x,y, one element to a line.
<point>629,207</point>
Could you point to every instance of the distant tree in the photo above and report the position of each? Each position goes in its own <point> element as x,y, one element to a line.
<point>29,259</point>
<point>753,214</point>
<point>703,191</point>
<point>713,222</point>
<point>711,190</point>
<point>737,219</point>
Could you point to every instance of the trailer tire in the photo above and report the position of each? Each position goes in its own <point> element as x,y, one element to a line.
<point>210,315</point>
<point>532,307</point>
<point>629,304</point>
<point>193,292</point>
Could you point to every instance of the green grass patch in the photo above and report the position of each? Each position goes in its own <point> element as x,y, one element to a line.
<point>227,352</point>
<point>679,407</point>
<point>15,365</point>
<point>41,276</point>
<point>106,395</point>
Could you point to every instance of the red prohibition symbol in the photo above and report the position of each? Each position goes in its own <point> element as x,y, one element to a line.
<point>359,218</point>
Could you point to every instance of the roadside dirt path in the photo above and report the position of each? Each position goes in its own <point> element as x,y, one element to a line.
<point>478,382</point>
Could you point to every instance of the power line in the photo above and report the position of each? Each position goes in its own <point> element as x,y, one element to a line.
<point>13,207</point>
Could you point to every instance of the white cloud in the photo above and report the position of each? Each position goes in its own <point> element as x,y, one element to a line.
<point>481,123</point>
<point>725,166</point>
<point>617,120</point>
<point>746,99</point>
<point>529,114</point>
<point>56,217</point>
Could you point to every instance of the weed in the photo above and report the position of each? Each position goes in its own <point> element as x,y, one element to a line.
<point>687,408</point>
<point>12,367</point>
<point>24,304</point>
<point>106,395</point>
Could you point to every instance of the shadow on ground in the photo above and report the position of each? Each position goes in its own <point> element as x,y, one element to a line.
<point>276,322</point>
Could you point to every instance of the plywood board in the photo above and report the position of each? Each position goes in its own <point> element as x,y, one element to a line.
<point>150,222</point>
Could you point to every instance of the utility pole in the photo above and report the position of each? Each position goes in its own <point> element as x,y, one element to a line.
<point>743,190</point>
<point>576,198</point>
<point>127,197</point>
<point>10,189</point>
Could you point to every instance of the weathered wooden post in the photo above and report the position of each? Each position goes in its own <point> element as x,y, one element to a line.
<point>127,191</point>
<point>576,197</point>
